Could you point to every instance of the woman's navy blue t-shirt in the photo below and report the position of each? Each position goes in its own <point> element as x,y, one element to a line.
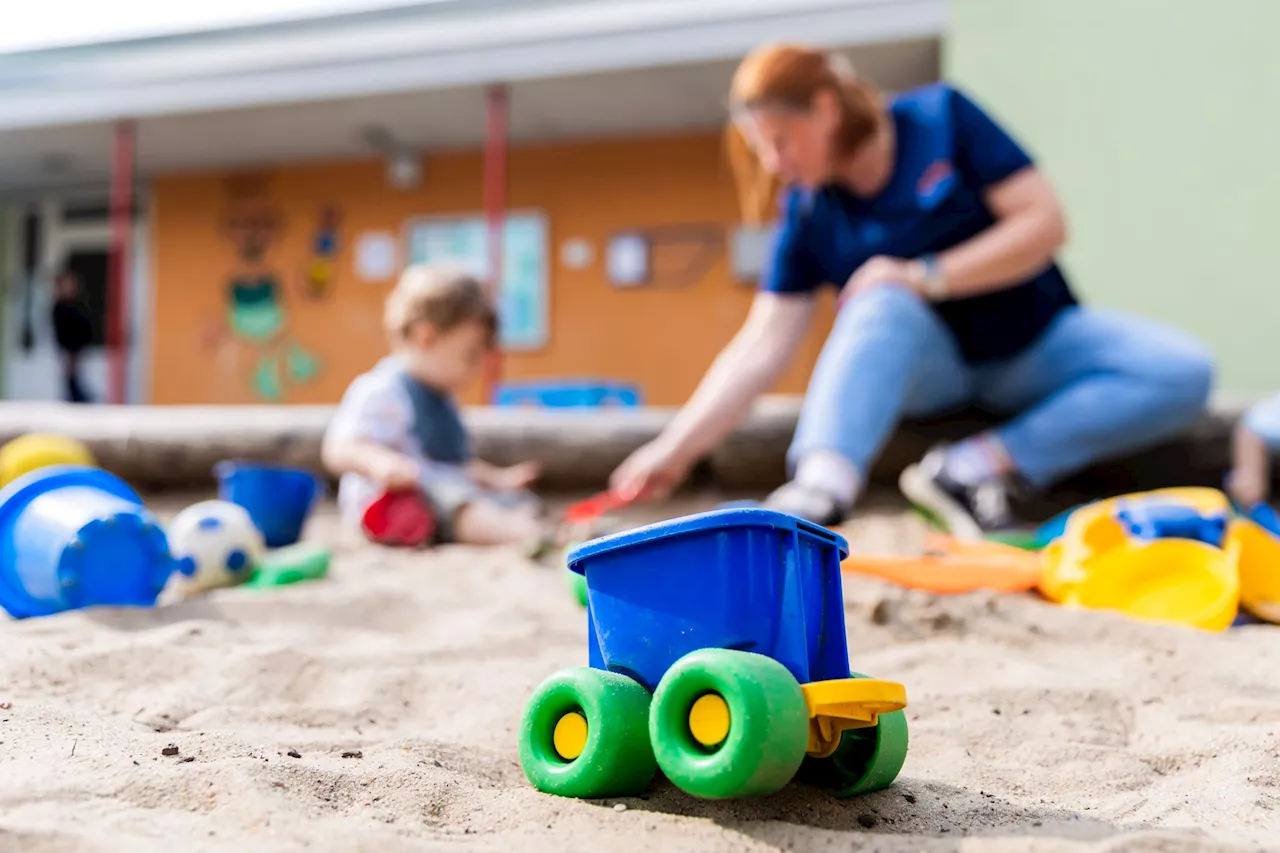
<point>948,152</point>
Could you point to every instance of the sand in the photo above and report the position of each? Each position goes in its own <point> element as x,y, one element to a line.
<point>377,711</point>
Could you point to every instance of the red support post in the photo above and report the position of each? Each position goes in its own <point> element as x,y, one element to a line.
<point>495,211</point>
<point>118,270</point>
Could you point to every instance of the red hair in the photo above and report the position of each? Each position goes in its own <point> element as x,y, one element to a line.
<point>788,77</point>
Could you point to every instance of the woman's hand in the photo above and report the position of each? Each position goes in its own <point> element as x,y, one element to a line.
<point>651,472</point>
<point>882,270</point>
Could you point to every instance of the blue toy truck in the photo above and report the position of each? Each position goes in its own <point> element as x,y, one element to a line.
<point>717,653</point>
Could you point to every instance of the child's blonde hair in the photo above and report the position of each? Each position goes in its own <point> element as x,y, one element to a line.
<point>442,296</point>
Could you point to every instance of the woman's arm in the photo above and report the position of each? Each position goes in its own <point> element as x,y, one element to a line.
<point>746,368</point>
<point>1030,227</point>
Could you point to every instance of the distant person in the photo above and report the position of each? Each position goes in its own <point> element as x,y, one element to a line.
<point>73,332</point>
<point>940,235</point>
<point>398,429</point>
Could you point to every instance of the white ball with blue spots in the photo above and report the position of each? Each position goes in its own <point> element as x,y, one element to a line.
<point>216,544</point>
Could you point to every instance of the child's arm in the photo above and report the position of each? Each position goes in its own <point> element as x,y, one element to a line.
<point>491,476</point>
<point>389,468</point>
<point>1250,476</point>
<point>372,420</point>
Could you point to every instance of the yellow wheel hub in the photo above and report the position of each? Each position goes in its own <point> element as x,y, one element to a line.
<point>709,720</point>
<point>570,736</point>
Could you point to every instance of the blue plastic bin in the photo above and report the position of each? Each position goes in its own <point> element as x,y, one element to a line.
<point>277,498</point>
<point>748,579</point>
<point>73,537</point>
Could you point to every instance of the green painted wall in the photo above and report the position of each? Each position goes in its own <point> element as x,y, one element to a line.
<point>1159,122</point>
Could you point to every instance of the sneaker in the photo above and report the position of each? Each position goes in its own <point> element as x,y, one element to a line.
<point>966,512</point>
<point>813,505</point>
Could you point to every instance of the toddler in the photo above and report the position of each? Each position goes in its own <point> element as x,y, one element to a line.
<point>398,429</point>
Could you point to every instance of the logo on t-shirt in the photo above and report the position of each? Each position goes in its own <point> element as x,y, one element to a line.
<point>934,177</point>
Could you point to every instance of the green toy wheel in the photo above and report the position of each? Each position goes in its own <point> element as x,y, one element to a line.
<point>866,760</point>
<point>585,733</point>
<point>729,724</point>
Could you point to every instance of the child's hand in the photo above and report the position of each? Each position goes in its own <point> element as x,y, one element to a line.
<point>396,473</point>
<point>1247,488</point>
<point>519,476</point>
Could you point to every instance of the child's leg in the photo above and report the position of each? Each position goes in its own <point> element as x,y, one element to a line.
<point>486,522</point>
<point>1257,434</point>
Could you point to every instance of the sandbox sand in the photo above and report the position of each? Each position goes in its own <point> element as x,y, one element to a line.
<point>1033,728</point>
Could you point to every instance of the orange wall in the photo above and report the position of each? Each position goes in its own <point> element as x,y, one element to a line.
<point>661,338</point>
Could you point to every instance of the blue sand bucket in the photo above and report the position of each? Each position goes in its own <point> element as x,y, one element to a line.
<point>73,537</point>
<point>278,499</point>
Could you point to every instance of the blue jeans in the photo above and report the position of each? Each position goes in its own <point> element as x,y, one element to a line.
<point>1095,385</point>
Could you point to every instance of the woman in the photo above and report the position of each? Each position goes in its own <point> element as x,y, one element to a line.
<point>940,234</point>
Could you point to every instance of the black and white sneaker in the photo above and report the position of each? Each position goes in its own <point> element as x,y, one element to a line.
<point>802,501</point>
<point>964,511</point>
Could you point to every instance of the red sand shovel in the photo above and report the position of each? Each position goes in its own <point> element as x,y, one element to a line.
<point>589,510</point>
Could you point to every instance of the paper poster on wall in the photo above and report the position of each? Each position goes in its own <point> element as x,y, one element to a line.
<point>577,253</point>
<point>628,260</point>
<point>376,256</point>
<point>523,289</point>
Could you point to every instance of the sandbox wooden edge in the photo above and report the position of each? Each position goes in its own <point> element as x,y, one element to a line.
<point>176,447</point>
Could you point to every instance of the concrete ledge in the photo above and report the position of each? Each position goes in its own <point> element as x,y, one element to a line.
<point>176,447</point>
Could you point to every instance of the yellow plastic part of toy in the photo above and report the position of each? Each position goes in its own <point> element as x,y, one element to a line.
<point>570,735</point>
<point>1093,530</point>
<point>847,703</point>
<point>1258,559</point>
<point>33,451</point>
<point>1178,581</point>
<point>709,719</point>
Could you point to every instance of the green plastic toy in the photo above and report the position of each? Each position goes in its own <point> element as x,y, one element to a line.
<point>289,565</point>
<point>577,583</point>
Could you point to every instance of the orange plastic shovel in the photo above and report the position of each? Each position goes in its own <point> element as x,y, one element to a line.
<point>954,567</point>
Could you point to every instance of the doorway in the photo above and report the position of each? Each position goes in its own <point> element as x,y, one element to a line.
<point>52,235</point>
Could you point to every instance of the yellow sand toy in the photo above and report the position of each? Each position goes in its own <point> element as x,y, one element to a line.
<point>1173,555</point>
<point>33,451</point>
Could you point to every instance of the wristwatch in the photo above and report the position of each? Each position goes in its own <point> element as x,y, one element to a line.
<point>933,285</point>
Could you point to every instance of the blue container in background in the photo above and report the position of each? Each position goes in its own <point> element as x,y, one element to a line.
<point>73,537</point>
<point>278,499</point>
<point>567,394</point>
<point>750,579</point>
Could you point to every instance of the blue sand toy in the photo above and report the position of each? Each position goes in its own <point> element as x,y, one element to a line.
<point>1149,520</point>
<point>73,537</point>
<point>277,498</point>
<point>717,653</point>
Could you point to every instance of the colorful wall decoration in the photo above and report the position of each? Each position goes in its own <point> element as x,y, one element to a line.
<point>255,314</point>
<point>566,320</point>
<point>322,269</point>
<point>665,255</point>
